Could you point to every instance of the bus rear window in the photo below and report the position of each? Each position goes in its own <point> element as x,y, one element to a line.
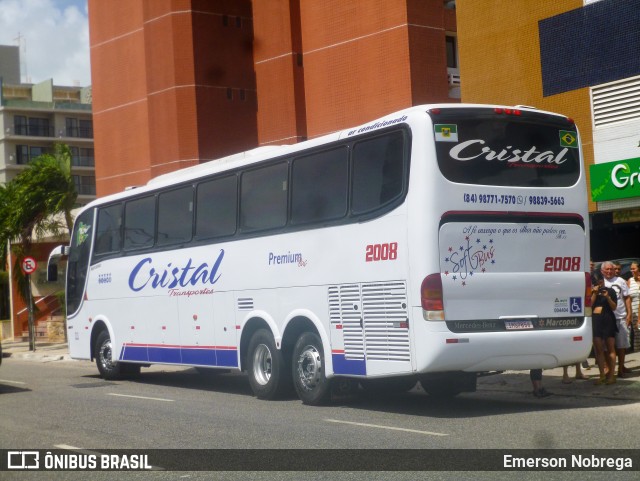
<point>531,150</point>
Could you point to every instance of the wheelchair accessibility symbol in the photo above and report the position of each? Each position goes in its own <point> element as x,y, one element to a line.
<point>575,304</point>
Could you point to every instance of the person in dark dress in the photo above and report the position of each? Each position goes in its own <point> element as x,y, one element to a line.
<point>603,304</point>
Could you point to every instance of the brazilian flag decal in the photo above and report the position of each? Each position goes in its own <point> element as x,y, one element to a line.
<point>568,139</point>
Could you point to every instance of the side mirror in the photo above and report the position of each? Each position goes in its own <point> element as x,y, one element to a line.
<point>52,273</point>
<point>52,264</point>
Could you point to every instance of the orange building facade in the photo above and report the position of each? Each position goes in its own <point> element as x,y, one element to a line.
<point>181,82</point>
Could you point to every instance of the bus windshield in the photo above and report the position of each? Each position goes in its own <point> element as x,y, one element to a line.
<point>528,149</point>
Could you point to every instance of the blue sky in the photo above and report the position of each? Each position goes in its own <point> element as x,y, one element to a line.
<point>54,39</point>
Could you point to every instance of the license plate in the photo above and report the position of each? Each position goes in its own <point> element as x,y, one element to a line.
<point>518,325</point>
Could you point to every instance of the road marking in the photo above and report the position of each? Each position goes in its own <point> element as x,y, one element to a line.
<point>141,397</point>
<point>67,447</point>
<point>391,428</point>
<point>12,382</point>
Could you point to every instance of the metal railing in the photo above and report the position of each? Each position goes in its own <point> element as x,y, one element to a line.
<point>31,131</point>
<point>83,161</point>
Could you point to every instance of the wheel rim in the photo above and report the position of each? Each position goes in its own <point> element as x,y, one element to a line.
<point>105,355</point>
<point>262,364</point>
<point>309,368</point>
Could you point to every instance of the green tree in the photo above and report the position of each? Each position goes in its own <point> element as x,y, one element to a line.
<point>28,205</point>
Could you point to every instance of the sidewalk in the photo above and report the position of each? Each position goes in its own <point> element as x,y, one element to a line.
<point>45,351</point>
<point>513,381</point>
<point>627,388</point>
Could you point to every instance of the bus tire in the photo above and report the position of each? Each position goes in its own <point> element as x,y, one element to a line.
<point>108,368</point>
<point>267,368</point>
<point>448,385</point>
<point>309,378</point>
<point>439,389</point>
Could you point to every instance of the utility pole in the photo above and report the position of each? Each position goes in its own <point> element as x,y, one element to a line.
<point>29,266</point>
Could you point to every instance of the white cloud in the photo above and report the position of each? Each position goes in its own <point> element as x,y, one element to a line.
<point>55,39</point>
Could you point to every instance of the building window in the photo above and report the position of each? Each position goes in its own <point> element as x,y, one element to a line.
<point>85,184</point>
<point>452,51</point>
<point>82,157</point>
<point>82,128</point>
<point>20,125</point>
<point>32,126</point>
<point>72,127</point>
<point>27,153</point>
<point>85,129</point>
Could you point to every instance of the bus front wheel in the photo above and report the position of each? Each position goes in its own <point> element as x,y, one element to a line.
<point>268,371</point>
<point>108,368</point>
<point>309,378</point>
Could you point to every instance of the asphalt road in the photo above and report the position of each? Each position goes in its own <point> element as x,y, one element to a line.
<point>65,405</point>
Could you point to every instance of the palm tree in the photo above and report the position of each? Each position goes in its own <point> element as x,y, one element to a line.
<point>28,205</point>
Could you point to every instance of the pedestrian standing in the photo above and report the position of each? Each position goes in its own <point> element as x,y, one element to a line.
<point>622,312</point>
<point>603,302</point>
<point>634,294</point>
<point>536,381</point>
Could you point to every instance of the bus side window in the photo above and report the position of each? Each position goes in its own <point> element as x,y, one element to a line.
<point>175,216</point>
<point>217,207</point>
<point>378,172</point>
<point>109,234</point>
<point>139,223</point>
<point>319,185</point>
<point>263,198</point>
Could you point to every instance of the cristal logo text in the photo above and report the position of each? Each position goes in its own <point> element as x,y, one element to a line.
<point>146,274</point>
<point>472,149</point>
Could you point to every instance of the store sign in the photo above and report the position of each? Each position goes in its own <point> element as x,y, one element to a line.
<point>615,180</point>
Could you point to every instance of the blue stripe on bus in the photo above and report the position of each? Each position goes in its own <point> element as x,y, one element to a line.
<point>161,354</point>
<point>180,355</point>
<point>341,365</point>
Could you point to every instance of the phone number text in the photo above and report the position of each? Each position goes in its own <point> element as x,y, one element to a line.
<point>512,199</point>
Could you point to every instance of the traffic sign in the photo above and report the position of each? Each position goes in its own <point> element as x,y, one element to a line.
<point>29,265</point>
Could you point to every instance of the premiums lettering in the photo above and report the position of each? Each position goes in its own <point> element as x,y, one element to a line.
<point>148,275</point>
<point>288,258</point>
<point>473,149</point>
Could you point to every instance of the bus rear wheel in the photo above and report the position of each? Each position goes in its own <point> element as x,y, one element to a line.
<point>268,370</point>
<point>309,379</point>
<point>448,385</point>
<point>108,368</point>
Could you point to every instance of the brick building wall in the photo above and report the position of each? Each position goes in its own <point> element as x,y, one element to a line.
<point>178,82</point>
<point>173,85</point>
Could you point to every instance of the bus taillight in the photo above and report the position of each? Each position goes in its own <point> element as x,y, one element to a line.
<point>431,297</point>
<point>508,111</point>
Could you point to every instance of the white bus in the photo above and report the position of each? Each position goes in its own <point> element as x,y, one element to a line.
<point>434,244</point>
